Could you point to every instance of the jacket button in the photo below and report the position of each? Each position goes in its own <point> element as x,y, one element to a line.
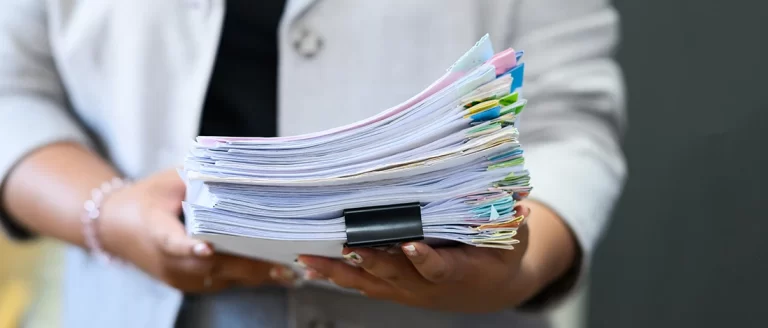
<point>307,43</point>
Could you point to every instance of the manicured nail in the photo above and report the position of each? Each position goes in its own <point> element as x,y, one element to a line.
<point>312,275</point>
<point>282,274</point>
<point>354,257</point>
<point>410,250</point>
<point>202,249</point>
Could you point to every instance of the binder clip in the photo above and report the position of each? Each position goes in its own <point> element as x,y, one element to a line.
<point>386,225</point>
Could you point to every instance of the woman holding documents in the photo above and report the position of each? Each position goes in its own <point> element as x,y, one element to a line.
<point>99,102</point>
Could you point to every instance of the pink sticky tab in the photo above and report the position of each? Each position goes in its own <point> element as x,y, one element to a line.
<point>504,61</point>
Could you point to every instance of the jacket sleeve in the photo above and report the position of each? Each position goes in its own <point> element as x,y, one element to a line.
<point>33,106</point>
<point>575,118</point>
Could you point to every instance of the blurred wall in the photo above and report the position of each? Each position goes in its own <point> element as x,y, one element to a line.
<point>29,284</point>
<point>689,243</point>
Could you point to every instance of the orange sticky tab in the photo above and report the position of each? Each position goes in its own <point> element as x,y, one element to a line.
<point>514,223</point>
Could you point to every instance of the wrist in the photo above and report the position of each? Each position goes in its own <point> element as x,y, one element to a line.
<point>553,257</point>
<point>93,214</point>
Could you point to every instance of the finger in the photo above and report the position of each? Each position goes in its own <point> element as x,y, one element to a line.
<point>347,276</point>
<point>522,210</point>
<point>190,265</point>
<point>199,284</point>
<point>284,276</point>
<point>242,270</point>
<point>437,266</point>
<point>392,268</point>
<point>172,183</point>
<point>171,238</point>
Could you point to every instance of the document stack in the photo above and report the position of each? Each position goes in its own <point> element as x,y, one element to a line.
<point>444,167</point>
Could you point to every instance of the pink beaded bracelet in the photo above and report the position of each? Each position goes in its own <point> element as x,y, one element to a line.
<point>93,212</point>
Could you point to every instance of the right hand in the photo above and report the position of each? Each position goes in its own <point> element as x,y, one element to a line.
<point>140,224</point>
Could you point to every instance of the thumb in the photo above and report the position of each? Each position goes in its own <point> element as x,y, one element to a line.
<point>170,181</point>
<point>171,189</point>
<point>171,238</point>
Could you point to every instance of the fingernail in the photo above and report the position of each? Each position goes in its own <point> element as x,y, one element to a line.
<point>282,274</point>
<point>202,249</point>
<point>410,250</point>
<point>312,275</point>
<point>351,263</point>
<point>354,257</point>
<point>300,263</point>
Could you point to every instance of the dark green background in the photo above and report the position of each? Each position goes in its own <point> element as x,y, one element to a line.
<point>688,243</point>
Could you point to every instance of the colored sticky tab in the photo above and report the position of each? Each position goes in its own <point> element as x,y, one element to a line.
<point>475,102</point>
<point>517,77</point>
<point>515,108</point>
<point>482,106</point>
<point>506,155</point>
<point>487,115</point>
<point>503,61</point>
<point>509,99</point>
<point>481,52</point>
<point>513,223</point>
<point>494,213</point>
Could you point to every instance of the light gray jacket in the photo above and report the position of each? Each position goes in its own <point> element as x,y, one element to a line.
<point>131,75</point>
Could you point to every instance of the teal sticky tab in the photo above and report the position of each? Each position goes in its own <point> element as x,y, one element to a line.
<point>487,114</point>
<point>502,206</point>
<point>494,213</point>
<point>506,155</point>
<point>517,77</point>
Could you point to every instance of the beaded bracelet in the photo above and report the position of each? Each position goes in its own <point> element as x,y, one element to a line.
<point>93,212</point>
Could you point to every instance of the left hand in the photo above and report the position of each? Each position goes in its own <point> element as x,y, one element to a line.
<point>459,279</point>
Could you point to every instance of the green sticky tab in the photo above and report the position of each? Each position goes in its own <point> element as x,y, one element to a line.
<point>509,99</point>
<point>484,127</point>
<point>513,109</point>
<point>519,109</point>
<point>514,162</point>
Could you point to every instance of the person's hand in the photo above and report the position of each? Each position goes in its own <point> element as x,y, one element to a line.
<point>141,224</point>
<point>459,279</point>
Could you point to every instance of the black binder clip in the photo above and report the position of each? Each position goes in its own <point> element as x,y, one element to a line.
<point>383,225</point>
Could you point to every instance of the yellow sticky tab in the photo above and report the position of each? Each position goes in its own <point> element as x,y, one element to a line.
<point>508,241</point>
<point>505,247</point>
<point>481,107</point>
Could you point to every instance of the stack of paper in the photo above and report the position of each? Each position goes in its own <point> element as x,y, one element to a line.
<point>453,148</point>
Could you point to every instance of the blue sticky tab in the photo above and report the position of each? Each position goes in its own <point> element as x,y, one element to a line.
<point>518,73</point>
<point>519,55</point>
<point>487,114</point>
